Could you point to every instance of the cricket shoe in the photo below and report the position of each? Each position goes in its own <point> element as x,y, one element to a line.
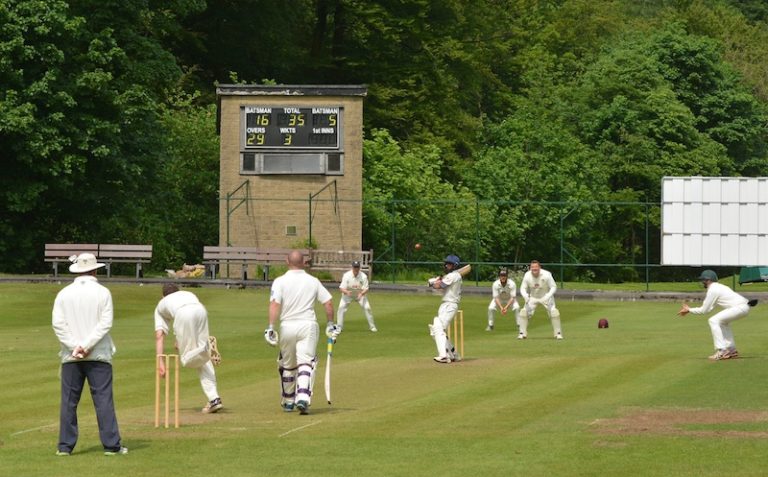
<point>214,348</point>
<point>522,336</point>
<point>722,354</point>
<point>61,453</point>
<point>213,406</point>
<point>288,406</point>
<point>373,329</point>
<point>489,328</point>
<point>559,336</point>
<point>120,451</point>
<point>303,407</point>
<point>442,359</point>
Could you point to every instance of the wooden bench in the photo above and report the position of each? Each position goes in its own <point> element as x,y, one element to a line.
<point>118,253</point>
<point>215,257</point>
<point>341,260</point>
<point>61,252</point>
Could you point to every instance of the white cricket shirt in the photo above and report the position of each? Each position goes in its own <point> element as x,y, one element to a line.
<point>296,291</point>
<point>542,287</point>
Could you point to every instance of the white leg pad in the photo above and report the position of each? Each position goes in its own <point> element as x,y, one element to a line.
<point>554,316</point>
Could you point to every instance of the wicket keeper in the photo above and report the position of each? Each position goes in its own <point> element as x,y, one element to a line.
<point>538,288</point>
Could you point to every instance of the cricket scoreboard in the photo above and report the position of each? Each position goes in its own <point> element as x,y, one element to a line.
<point>282,128</point>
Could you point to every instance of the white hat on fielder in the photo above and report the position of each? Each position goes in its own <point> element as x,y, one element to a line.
<point>83,263</point>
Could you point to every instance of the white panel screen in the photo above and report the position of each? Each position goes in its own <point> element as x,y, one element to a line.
<point>714,221</point>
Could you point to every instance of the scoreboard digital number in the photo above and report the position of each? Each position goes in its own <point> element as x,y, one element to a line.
<point>269,127</point>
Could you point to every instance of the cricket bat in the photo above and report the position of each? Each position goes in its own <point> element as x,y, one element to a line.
<point>464,271</point>
<point>328,371</point>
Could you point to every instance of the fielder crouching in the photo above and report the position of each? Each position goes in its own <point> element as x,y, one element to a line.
<point>292,300</point>
<point>538,288</point>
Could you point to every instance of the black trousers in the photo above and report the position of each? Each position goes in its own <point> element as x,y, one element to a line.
<point>99,376</point>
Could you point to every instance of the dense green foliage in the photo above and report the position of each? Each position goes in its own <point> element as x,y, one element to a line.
<point>107,116</point>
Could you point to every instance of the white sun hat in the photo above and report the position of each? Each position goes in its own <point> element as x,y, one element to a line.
<point>83,263</point>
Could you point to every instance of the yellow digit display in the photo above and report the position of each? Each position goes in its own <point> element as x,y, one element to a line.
<point>292,127</point>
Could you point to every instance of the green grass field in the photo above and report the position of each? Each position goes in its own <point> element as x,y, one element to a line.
<point>639,398</point>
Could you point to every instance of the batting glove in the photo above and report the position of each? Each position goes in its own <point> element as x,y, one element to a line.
<point>332,331</point>
<point>270,336</point>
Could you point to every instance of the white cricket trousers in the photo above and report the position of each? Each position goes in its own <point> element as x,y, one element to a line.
<point>720,324</point>
<point>190,325</point>
<point>298,355</point>
<point>344,304</point>
<point>440,323</point>
<point>552,311</point>
<point>492,308</point>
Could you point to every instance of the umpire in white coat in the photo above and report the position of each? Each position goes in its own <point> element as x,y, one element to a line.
<point>82,318</point>
<point>292,300</point>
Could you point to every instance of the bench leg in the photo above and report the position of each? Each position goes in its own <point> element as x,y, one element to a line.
<point>139,271</point>
<point>245,272</point>
<point>212,270</point>
<point>266,273</point>
<point>109,269</point>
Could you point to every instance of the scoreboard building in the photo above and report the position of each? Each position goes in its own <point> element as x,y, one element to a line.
<point>291,166</point>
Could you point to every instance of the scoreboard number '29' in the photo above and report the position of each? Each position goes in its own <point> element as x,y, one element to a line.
<point>286,127</point>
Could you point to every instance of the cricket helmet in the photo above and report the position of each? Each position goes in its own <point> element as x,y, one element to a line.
<point>603,323</point>
<point>453,260</point>
<point>708,275</point>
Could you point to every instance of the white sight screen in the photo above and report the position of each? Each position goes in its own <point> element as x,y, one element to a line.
<point>709,221</point>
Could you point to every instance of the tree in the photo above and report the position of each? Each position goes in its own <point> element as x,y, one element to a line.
<point>78,123</point>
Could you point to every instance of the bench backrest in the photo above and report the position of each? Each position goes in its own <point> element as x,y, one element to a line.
<point>125,251</point>
<point>341,258</point>
<point>66,250</point>
<point>247,254</point>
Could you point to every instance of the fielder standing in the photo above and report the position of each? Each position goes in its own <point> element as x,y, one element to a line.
<point>82,318</point>
<point>734,307</point>
<point>538,288</point>
<point>197,350</point>
<point>504,291</point>
<point>292,300</point>
<point>354,287</point>
<point>450,284</point>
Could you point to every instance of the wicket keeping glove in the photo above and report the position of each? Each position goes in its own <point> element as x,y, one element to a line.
<point>270,336</point>
<point>332,331</point>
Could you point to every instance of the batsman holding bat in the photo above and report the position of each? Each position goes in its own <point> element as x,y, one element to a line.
<point>292,301</point>
<point>734,307</point>
<point>538,288</point>
<point>450,283</point>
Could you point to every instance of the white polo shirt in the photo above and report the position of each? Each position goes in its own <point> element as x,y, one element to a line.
<point>296,291</point>
<point>169,306</point>
<point>542,287</point>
